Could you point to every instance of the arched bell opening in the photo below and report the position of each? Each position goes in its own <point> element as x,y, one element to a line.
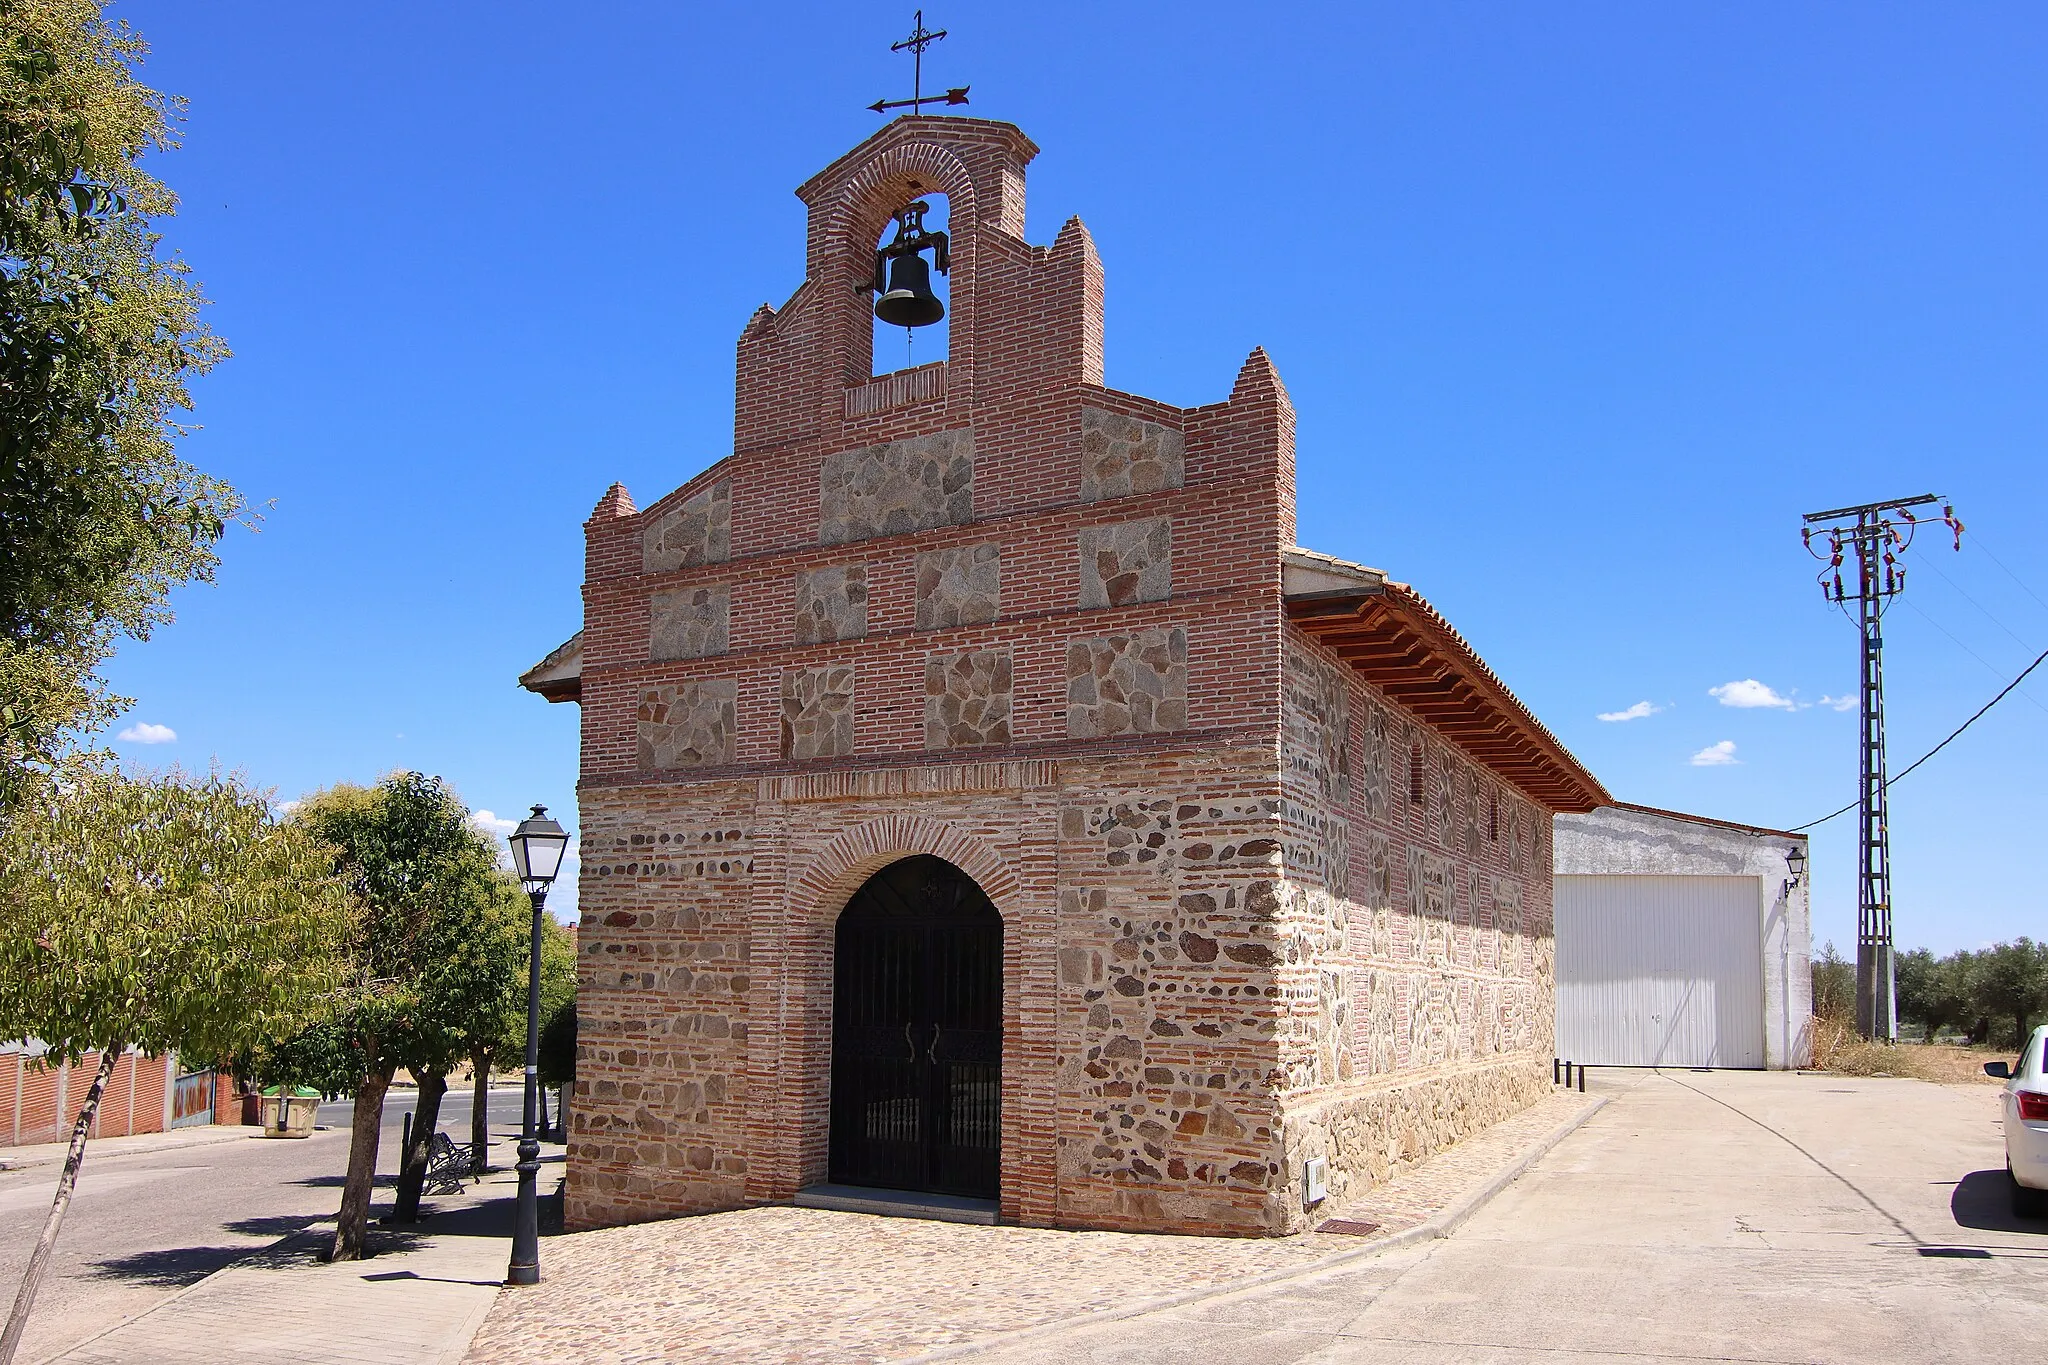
<point>912,285</point>
<point>917,1033</point>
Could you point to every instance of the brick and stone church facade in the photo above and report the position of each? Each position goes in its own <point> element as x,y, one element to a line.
<point>1265,846</point>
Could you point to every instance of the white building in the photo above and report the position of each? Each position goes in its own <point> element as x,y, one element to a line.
<point>1681,941</point>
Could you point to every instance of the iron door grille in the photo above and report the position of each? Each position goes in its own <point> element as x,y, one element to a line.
<point>917,1034</point>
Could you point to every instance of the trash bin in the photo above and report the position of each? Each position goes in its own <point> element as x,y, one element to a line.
<point>289,1115</point>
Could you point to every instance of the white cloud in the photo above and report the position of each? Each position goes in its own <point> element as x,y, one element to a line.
<point>142,732</point>
<point>1749,693</point>
<point>287,807</point>
<point>1636,712</point>
<point>1840,703</point>
<point>489,823</point>
<point>1716,755</point>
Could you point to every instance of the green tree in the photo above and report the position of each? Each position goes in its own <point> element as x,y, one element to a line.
<point>557,1061</point>
<point>168,914</point>
<point>1936,992</point>
<point>473,964</point>
<point>99,333</point>
<point>1834,986</point>
<point>2011,981</point>
<point>439,958</point>
<point>506,1046</point>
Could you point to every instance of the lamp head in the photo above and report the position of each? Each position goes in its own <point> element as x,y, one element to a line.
<point>537,848</point>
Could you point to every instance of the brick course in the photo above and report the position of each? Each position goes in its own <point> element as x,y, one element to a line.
<point>994,611</point>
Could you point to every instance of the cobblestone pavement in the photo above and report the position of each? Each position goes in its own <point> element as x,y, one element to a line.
<point>810,1285</point>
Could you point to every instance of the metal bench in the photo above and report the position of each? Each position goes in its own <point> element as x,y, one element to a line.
<point>448,1165</point>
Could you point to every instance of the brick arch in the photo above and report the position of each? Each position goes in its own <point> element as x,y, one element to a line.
<point>843,866</point>
<point>859,211</point>
<point>871,194</point>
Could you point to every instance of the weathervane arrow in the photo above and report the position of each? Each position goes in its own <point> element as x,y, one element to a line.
<point>958,96</point>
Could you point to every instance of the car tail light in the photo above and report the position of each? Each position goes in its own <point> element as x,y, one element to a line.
<point>2033,1105</point>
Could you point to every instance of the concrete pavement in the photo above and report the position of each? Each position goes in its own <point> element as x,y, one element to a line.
<point>157,1213</point>
<point>1700,1216</point>
<point>419,1297</point>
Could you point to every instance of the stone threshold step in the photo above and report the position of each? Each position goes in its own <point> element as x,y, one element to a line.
<point>944,1208</point>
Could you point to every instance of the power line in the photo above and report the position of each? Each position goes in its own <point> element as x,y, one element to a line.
<point>1990,667</point>
<point>1979,539</point>
<point>1988,614</point>
<point>2002,693</point>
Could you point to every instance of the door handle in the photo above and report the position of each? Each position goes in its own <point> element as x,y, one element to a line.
<point>931,1054</point>
<point>909,1041</point>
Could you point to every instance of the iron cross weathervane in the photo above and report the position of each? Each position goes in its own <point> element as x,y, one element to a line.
<point>920,38</point>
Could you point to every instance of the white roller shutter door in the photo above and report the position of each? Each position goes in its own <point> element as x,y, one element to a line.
<point>1659,971</point>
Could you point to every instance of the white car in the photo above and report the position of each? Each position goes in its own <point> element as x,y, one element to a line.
<point>2026,1124</point>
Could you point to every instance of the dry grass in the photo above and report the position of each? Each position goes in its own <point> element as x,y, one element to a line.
<point>1836,1048</point>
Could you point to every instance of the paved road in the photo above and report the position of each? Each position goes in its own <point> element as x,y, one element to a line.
<point>1733,1216</point>
<point>144,1226</point>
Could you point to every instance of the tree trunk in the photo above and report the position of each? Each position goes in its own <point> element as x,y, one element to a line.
<point>39,1260</point>
<point>353,1221</point>
<point>480,1115</point>
<point>412,1163</point>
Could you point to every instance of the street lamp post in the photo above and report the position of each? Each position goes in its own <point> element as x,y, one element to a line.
<point>537,848</point>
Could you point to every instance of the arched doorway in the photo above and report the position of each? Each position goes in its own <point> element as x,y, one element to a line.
<point>917,1033</point>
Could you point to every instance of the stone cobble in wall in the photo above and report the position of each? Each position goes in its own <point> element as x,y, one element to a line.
<point>688,725</point>
<point>1122,456</point>
<point>689,623</point>
<point>831,604</point>
<point>967,699</point>
<point>906,485</point>
<point>959,587</point>
<point>817,712</point>
<point>1127,684</point>
<point>699,531</point>
<point>1127,562</point>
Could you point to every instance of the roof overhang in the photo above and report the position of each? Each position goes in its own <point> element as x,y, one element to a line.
<point>559,677</point>
<point>1397,642</point>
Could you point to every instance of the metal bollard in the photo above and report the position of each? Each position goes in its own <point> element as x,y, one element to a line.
<point>1567,1075</point>
<point>1555,1063</point>
<point>1582,1080</point>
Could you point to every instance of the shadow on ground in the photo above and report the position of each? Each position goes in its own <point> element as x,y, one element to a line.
<point>172,1268</point>
<point>176,1267</point>
<point>1983,1199</point>
<point>335,1182</point>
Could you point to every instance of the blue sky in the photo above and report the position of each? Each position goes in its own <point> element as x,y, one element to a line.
<point>1581,305</point>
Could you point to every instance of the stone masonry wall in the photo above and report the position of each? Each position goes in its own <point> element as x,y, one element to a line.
<point>1137,895</point>
<point>1420,966</point>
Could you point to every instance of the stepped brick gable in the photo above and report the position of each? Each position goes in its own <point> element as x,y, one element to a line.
<point>1269,844</point>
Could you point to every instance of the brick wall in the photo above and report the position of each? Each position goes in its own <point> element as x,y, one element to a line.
<point>39,1103</point>
<point>994,611</point>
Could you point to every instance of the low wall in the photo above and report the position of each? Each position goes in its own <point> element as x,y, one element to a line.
<point>1371,1133</point>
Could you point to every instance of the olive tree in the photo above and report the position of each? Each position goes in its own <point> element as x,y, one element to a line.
<point>441,962</point>
<point>2011,982</point>
<point>166,913</point>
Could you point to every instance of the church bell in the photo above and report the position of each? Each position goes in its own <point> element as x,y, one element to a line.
<point>909,300</point>
<point>901,276</point>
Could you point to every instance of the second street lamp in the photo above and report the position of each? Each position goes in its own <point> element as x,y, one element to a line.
<point>537,848</point>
